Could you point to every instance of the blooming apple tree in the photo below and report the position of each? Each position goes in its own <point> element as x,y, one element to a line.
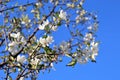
<point>27,43</point>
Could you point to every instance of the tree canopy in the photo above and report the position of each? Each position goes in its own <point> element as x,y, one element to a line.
<point>27,41</point>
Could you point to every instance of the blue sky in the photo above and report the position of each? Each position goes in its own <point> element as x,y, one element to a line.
<point>108,63</point>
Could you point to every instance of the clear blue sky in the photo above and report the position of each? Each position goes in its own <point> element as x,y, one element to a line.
<point>108,60</point>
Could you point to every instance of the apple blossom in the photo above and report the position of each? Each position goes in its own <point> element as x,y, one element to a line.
<point>49,39</point>
<point>22,78</point>
<point>35,61</point>
<point>41,27</point>
<point>63,15</point>
<point>46,41</point>
<point>21,58</point>
<point>15,35</point>
<point>88,37</point>
<point>13,48</point>
<point>28,31</point>
<point>94,49</point>
<point>45,23</point>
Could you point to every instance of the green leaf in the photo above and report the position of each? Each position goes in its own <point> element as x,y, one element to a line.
<point>40,66</point>
<point>72,63</point>
<point>45,36</point>
<point>57,14</point>
<point>48,50</point>
<point>59,24</point>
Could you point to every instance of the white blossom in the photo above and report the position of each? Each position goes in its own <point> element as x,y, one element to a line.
<point>82,12</point>
<point>21,59</point>
<point>94,49</point>
<point>23,40</point>
<point>63,15</point>
<point>39,4</point>
<point>54,19</point>
<point>88,37</point>
<point>15,35</point>
<point>65,47</point>
<point>54,28</point>
<point>24,22</point>
<point>46,41</point>
<point>77,19</point>
<point>41,27</point>
<point>86,51</point>
<point>45,23</point>
<point>89,27</point>
<point>13,48</point>
<point>22,78</point>
<point>52,65</point>
<point>70,5</point>
<point>49,39</point>
<point>12,44</point>
<point>35,61</point>
<point>83,57</point>
<point>25,19</point>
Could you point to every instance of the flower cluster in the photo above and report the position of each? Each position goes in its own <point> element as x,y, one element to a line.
<point>21,59</point>
<point>46,41</point>
<point>88,37</point>
<point>14,46</point>
<point>29,38</point>
<point>94,49</point>
<point>63,15</point>
<point>88,52</point>
<point>80,17</point>
<point>46,25</point>
<point>25,20</point>
<point>35,61</point>
<point>65,47</point>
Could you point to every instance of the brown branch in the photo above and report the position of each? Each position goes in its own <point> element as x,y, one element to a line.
<point>7,73</point>
<point>2,42</point>
<point>2,64</point>
<point>20,75</point>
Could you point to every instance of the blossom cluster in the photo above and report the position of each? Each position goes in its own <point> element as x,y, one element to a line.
<point>14,45</point>
<point>31,43</point>
<point>46,41</point>
<point>89,50</point>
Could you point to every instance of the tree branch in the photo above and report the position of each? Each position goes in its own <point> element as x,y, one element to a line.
<point>2,42</point>
<point>25,5</point>
<point>2,64</point>
<point>35,31</point>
